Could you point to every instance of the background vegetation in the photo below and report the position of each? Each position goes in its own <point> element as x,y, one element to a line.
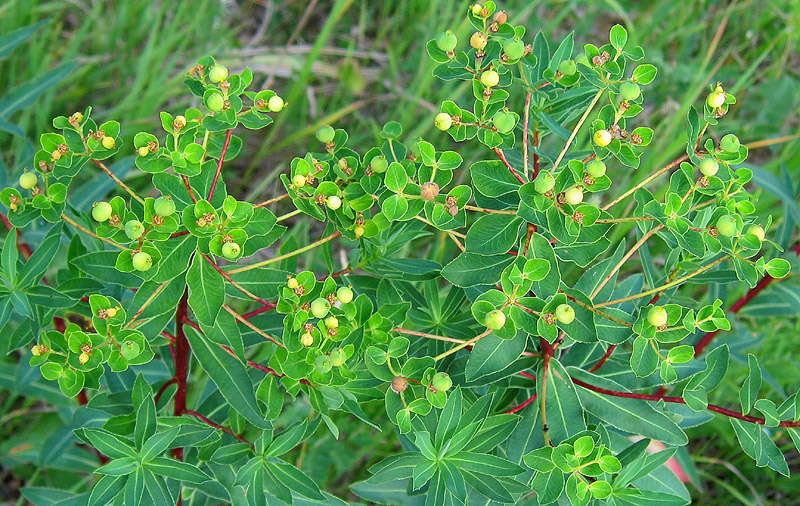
<point>360,63</point>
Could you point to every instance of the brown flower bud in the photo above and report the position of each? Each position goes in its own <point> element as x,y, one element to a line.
<point>429,190</point>
<point>399,384</point>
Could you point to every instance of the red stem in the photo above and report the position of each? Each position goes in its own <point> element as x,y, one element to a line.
<point>600,363</point>
<point>219,165</point>
<point>535,154</point>
<point>204,419</point>
<point>189,188</point>
<point>502,158</point>
<point>182,352</point>
<point>263,309</point>
<point>679,400</point>
<point>522,405</point>
<point>163,389</point>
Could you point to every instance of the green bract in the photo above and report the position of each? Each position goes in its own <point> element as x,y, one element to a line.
<point>519,326</point>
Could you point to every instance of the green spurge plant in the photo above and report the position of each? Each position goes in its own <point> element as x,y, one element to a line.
<point>514,361</point>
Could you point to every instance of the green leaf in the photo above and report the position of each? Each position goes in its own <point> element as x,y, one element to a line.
<point>636,416</point>
<point>564,412</point>
<point>16,37</point>
<point>26,93</point>
<point>158,443</point>
<point>759,446</point>
<point>644,74</point>
<point>177,470</point>
<point>751,385</point>
<point>778,268</point>
<point>206,290</point>
<point>37,264</point>
<point>470,269</point>
<point>9,258</point>
<point>105,489</point>
<point>109,444</point>
<point>230,376</point>
<point>484,464</point>
<point>296,480</point>
<point>618,37</point>
<point>396,177</point>
<point>493,234</point>
<point>493,354</point>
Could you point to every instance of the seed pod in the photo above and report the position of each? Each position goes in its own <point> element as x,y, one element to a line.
<point>399,384</point>
<point>429,190</point>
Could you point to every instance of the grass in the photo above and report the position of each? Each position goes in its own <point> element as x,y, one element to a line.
<point>360,63</point>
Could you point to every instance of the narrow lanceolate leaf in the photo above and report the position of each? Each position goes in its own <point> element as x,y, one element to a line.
<point>751,385</point>
<point>493,354</point>
<point>105,489</point>
<point>37,264</point>
<point>296,480</point>
<point>636,416</point>
<point>564,413</point>
<point>206,290</point>
<point>8,259</point>
<point>485,464</point>
<point>16,37</point>
<point>26,93</point>
<point>759,446</point>
<point>109,444</point>
<point>230,376</point>
<point>172,468</point>
<point>158,443</point>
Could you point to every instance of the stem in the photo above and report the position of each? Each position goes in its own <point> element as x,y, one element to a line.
<point>600,313</point>
<point>652,176</point>
<point>182,352</point>
<point>287,255</point>
<point>521,406</point>
<point>679,400</point>
<point>221,161</point>
<point>547,350</point>
<point>490,211</point>
<point>526,117</point>
<point>462,345</point>
<point>251,326</point>
<point>146,303</point>
<point>189,188</point>
<point>665,286</point>
<point>577,127</point>
<point>89,232</point>
<point>207,421</point>
<point>502,158</point>
<point>118,180</point>
<point>289,215</point>
<point>237,285</point>
<point>163,389</point>
<point>624,259</point>
<point>271,201</point>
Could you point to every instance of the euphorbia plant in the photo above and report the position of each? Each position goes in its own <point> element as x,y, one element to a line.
<point>529,356</point>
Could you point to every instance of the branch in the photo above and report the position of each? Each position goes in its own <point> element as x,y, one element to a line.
<point>679,400</point>
<point>89,232</point>
<point>181,355</point>
<point>118,180</point>
<point>218,426</point>
<point>287,255</point>
<point>577,127</point>
<point>234,283</point>
<point>219,165</point>
<point>654,175</point>
<point>251,326</point>
<point>271,201</point>
<point>502,158</point>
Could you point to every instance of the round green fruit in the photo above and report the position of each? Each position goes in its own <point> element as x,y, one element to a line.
<point>478,41</point>
<point>338,357</point>
<point>275,103</point>
<point>726,226</point>
<point>359,231</point>
<point>143,151</point>
<point>101,211</point>
<point>379,164</point>
<point>83,358</point>
<point>490,78</point>
<point>320,307</point>
<point>629,90</point>
<point>573,196</point>
<point>28,180</point>
<point>215,102</point>
<point>504,121</point>
<point>495,319</point>
<point>345,294</point>
<point>567,67</point>
<point>298,181</point>
<point>565,314</point>
<point>596,168</point>
<point>443,121</point>
<point>164,206</point>
<point>331,322</point>
<point>514,49</point>
<point>447,41</point>
<point>729,143</point>
<point>757,231</point>
<point>129,350</point>
<point>292,283</point>
<point>108,142</point>
<point>544,183</point>
<point>142,261</point>
<point>657,316</point>
<point>307,339</point>
<point>715,99</point>
<point>325,134</point>
<point>333,202</point>
<point>231,250</point>
<point>477,9</point>
<point>324,364</point>
<point>134,229</point>
<point>602,138</point>
<point>218,73</point>
<point>708,166</point>
<point>441,382</point>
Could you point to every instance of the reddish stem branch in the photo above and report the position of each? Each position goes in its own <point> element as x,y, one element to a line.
<point>219,165</point>
<point>214,424</point>
<point>516,409</point>
<point>182,352</point>
<point>189,188</point>
<point>502,158</point>
<point>600,363</point>
<point>163,389</point>
<point>679,400</point>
